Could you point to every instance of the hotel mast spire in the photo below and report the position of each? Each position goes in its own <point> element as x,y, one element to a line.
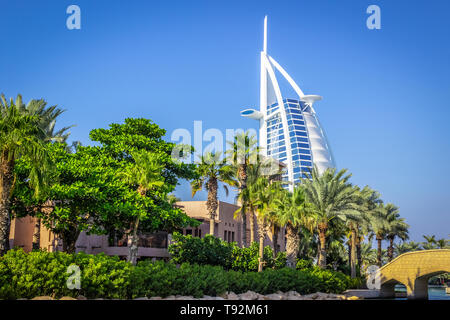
<point>265,34</point>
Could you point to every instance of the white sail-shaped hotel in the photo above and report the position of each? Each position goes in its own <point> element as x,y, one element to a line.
<point>290,131</point>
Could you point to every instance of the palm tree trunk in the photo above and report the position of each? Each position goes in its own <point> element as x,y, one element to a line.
<point>353,254</point>
<point>275,231</point>
<point>349,251</point>
<point>252,227</point>
<point>318,251</point>
<point>292,245</point>
<point>211,224</point>
<point>242,174</point>
<point>6,185</point>
<point>262,234</point>
<point>358,251</point>
<point>212,203</point>
<point>391,249</point>
<point>244,227</point>
<point>133,248</point>
<point>323,250</point>
<point>379,239</point>
<point>36,244</point>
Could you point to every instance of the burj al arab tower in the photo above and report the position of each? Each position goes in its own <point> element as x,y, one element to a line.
<point>290,131</point>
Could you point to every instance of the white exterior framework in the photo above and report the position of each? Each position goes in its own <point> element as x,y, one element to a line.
<point>289,128</point>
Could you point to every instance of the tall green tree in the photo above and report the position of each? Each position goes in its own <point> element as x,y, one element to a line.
<point>293,212</point>
<point>122,142</point>
<point>331,195</point>
<point>370,200</point>
<point>442,243</point>
<point>211,170</point>
<point>353,219</point>
<point>429,243</point>
<point>245,198</point>
<point>264,193</point>
<point>243,151</point>
<point>266,167</point>
<point>48,117</point>
<point>403,247</point>
<point>380,226</point>
<point>146,174</point>
<point>368,255</point>
<point>357,221</point>
<point>397,228</point>
<point>89,190</point>
<point>83,193</point>
<point>24,133</point>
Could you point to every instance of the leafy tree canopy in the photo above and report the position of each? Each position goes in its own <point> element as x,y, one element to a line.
<point>87,191</point>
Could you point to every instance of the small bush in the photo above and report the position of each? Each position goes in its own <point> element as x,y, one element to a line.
<point>103,275</point>
<point>208,250</point>
<point>214,251</point>
<point>357,283</point>
<point>304,264</point>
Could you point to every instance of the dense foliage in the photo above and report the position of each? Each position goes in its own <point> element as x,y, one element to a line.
<point>26,275</point>
<point>25,130</point>
<point>210,250</point>
<point>87,190</point>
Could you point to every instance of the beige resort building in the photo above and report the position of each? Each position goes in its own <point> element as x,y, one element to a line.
<point>227,227</point>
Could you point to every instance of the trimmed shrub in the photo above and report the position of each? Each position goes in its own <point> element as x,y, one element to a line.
<point>164,279</point>
<point>26,275</point>
<point>103,276</point>
<point>38,273</point>
<point>210,250</point>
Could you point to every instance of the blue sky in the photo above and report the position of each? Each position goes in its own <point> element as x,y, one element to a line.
<point>386,92</point>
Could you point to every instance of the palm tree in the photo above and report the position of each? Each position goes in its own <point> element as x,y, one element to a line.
<point>370,200</point>
<point>331,196</point>
<point>145,173</point>
<point>430,242</point>
<point>353,218</point>
<point>48,117</point>
<point>264,193</point>
<point>397,227</point>
<point>245,198</point>
<point>274,224</point>
<point>24,132</point>
<point>404,247</point>
<point>266,167</point>
<point>211,170</point>
<point>380,226</point>
<point>243,152</point>
<point>368,255</point>
<point>293,213</point>
<point>172,200</point>
<point>273,216</point>
<point>442,243</point>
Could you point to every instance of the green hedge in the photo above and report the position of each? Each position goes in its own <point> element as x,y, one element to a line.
<point>26,275</point>
<point>38,273</point>
<point>210,250</point>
